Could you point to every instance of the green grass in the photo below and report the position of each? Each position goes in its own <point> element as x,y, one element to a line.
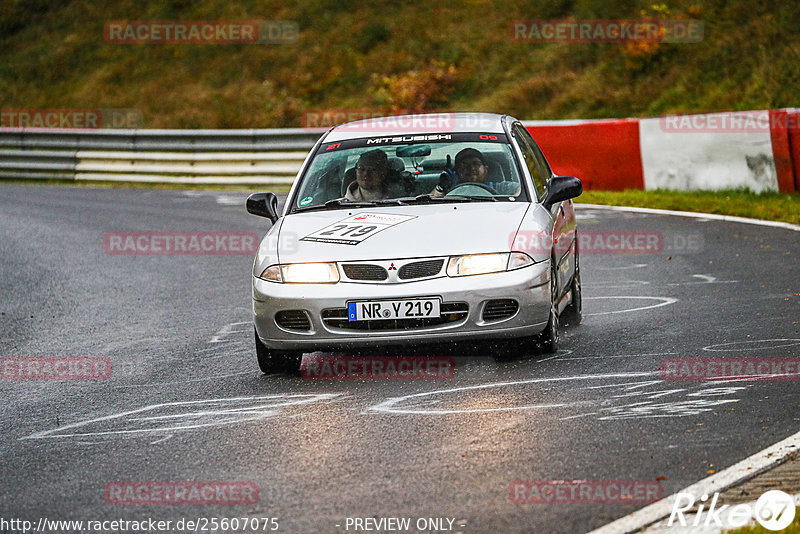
<point>769,206</point>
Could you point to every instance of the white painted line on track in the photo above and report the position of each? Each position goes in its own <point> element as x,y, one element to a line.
<point>716,348</point>
<point>388,406</point>
<point>694,215</point>
<point>664,302</point>
<point>576,416</point>
<point>550,358</point>
<point>739,472</point>
<point>704,279</point>
<point>227,330</point>
<point>634,266</point>
<point>618,356</point>
<point>622,284</point>
<point>224,410</point>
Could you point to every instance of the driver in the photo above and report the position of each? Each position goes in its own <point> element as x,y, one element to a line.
<point>470,166</point>
<point>372,171</point>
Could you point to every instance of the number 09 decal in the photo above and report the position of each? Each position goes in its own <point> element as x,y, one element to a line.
<point>356,228</point>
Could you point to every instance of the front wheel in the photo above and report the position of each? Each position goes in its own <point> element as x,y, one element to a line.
<point>276,361</point>
<point>574,312</point>
<point>548,339</point>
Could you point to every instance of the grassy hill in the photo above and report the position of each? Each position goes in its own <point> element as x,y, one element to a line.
<point>388,55</point>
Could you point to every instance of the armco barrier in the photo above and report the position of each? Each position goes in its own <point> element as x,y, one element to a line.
<point>179,156</point>
<point>604,154</point>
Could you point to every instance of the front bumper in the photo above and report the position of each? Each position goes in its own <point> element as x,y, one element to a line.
<point>529,286</point>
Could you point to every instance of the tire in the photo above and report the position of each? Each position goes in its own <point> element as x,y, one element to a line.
<point>574,312</point>
<point>548,339</point>
<point>276,361</point>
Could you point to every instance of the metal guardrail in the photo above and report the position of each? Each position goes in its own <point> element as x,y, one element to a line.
<point>265,156</point>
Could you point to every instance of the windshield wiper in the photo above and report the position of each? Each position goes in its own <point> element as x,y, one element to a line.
<point>427,198</point>
<point>478,197</point>
<point>391,202</point>
<point>338,203</point>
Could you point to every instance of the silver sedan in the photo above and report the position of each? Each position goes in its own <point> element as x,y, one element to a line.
<point>417,229</point>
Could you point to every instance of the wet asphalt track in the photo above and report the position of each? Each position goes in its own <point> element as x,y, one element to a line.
<point>176,329</point>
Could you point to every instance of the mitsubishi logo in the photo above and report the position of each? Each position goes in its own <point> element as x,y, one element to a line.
<point>392,267</point>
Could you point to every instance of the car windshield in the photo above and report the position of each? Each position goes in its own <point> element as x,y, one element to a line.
<point>408,169</point>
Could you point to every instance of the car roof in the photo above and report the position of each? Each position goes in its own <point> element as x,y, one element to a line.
<point>422,124</point>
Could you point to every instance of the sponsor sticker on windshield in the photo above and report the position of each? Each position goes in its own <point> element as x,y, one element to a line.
<point>356,228</point>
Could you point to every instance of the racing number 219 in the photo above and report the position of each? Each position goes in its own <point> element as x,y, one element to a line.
<point>352,230</point>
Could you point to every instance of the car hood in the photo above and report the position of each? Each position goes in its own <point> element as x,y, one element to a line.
<point>411,231</point>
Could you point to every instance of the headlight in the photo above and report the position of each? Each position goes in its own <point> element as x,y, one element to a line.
<point>477,264</point>
<point>487,263</point>
<point>302,273</point>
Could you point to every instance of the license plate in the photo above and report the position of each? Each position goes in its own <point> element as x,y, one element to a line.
<point>393,309</point>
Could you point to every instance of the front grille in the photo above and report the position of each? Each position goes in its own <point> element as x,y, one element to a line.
<point>420,269</point>
<point>364,271</point>
<point>293,320</point>
<point>451,312</point>
<point>496,310</point>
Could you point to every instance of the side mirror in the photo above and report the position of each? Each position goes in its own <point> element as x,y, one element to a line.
<point>263,205</point>
<point>560,188</point>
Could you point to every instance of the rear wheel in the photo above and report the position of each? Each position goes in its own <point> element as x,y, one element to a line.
<point>574,312</point>
<point>548,339</point>
<point>276,361</point>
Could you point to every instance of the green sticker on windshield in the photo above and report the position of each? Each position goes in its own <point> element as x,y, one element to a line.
<point>306,201</point>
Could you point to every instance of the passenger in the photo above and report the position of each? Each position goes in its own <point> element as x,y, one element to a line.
<point>372,172</point>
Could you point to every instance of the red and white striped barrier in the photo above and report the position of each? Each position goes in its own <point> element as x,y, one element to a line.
<point>759,150</point>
